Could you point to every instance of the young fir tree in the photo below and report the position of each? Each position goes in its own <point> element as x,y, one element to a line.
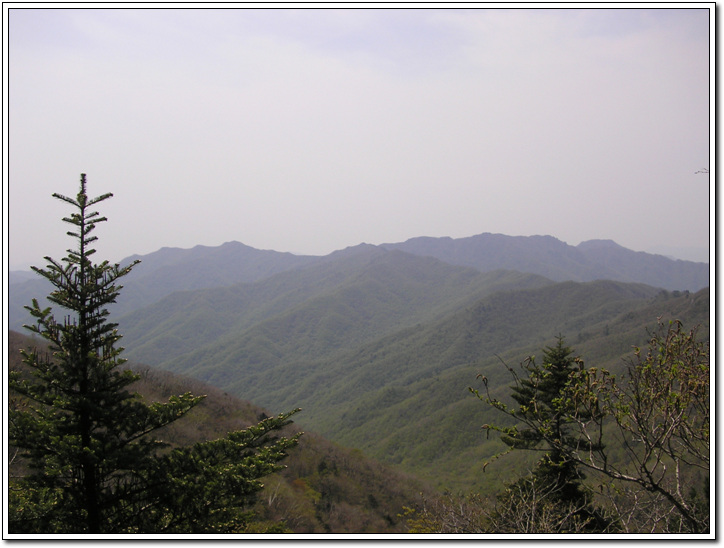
<point>538,396</point>
<point>93,465</point>
<point>547,414</point>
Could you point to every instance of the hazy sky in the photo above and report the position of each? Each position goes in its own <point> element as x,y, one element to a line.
<point>313,130</point>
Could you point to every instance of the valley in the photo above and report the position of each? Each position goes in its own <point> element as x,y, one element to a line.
<point>379,344</point>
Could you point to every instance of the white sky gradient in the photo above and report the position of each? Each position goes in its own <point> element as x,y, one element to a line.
<point>313,130</point>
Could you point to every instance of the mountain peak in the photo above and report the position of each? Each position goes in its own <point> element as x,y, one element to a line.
<point>599,244</point>
<point>355,249</point>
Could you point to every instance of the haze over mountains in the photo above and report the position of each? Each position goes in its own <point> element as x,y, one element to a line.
<point>554,259</point>
<point>380,343</point>
<point>171,269</point>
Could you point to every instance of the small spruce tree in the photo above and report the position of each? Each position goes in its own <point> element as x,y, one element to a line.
<point>93,464</point>
<point>547,414</point>
<point>539,396</point>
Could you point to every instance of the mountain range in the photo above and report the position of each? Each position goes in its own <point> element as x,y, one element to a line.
<point>168,270</point>
<point>379,344</point>
<point>554,259</point>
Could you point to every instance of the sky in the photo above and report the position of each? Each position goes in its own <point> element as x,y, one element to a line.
<point>311,130</point>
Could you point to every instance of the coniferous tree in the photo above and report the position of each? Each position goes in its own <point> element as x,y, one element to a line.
<point>93,465</point>
<point>539,396</point>
<point>546,414</point>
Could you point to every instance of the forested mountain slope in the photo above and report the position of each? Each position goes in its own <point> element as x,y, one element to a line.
<point>269,360</point>
<point>169,270</point>
<point>404,398</point>
<point>380,346</point>
<point>333,305</point>
<point>423,416</point>
<point>325,488</point>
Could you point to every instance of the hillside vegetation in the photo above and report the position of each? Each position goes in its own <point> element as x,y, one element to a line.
<point>379,344</point>
<point>324,488</point>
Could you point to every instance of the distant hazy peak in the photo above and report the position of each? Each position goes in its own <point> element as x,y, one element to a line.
<point>356,249</point>
<point>599,244</point>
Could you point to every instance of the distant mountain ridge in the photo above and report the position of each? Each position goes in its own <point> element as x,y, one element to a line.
<point>172,269</point>
<point>169,270</point>
<point>164,272</point>
<point>559,261</point>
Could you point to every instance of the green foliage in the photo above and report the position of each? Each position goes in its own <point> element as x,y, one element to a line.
<point>324,488</point>
<point>92,465</point>
<point>210,487</point>
<point>656,414</point>
<point>539,394</point>
<point>379,394</point>
<point>661,412</point>
<point>545,411</point>
<point>389,377</point>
